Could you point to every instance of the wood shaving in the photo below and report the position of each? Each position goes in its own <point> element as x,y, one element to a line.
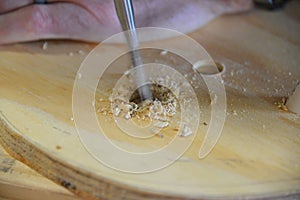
<point>45,46</point>
<point>164,52</point>
<point>282,104</point>
<point>186,131</point>
<point>117,111</point>
<point>161,124</point>
<point>159,110</point>
<point>234,113</point>
<point>79,75</point>
<point>81,52</point>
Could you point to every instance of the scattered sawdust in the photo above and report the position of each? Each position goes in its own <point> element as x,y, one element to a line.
<point>281,105</point>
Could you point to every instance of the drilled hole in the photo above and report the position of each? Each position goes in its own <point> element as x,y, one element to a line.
<point>208,67</point>
<point>159,92</point>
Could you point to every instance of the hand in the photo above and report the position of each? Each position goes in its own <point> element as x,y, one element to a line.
<point>96,20</point>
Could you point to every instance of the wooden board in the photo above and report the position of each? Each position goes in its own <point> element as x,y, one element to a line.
<point>258,154</point>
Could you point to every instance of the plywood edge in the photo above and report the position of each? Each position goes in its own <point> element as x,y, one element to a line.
<point>79,182</point>
<point>13,191</point>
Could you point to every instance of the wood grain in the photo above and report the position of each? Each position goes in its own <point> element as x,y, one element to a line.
<point>257,156</point>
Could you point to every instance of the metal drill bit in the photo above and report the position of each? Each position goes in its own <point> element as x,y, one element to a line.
<point>125,12</point>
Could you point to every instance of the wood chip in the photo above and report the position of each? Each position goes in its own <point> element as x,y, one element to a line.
<point>45,46</point>
<point>186,131</point>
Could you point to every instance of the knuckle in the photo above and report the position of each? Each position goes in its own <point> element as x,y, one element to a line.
<point>39,20</point>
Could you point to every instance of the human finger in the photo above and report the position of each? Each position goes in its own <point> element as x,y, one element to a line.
<point>54,21</point>
<point>9,5</point>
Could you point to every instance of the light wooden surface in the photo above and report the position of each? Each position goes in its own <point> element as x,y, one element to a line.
<point>258,154</point>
